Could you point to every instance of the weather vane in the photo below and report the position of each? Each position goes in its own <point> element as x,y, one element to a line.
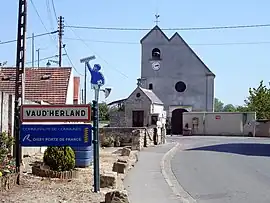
<point>157,17</point>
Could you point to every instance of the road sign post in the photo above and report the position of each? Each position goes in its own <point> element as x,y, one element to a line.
<point>96,147</point>
<point>97,80</point>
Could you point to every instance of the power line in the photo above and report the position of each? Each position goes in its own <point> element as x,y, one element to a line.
<point>54,9</point>
<point>193,44</point>
<point>35,8</point>
<point>180,29</point>
<point>70,61</point>
<point>79,38</point>
<point>39,35</point>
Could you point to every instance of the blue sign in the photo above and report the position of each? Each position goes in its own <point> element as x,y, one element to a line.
<point>97,78</point>
<point>74,135</point>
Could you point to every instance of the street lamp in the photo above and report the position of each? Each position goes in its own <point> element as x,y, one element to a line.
<point>85,61</point>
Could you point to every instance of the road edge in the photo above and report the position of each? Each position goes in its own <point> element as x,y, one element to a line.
<point>170,178</point>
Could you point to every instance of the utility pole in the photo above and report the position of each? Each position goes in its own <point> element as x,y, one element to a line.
<point>38,56</point>
<point>33,50</point>
<point>60,34</point>
<point>19,83</point>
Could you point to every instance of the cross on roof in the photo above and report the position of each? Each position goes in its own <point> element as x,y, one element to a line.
<point>157,17</point>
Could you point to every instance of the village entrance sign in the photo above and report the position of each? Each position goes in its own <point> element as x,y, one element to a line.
<point>52,125</point>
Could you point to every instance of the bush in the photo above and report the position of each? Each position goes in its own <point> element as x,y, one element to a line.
<point>7,163</point>
<point>59,158</point>
<point>108,141</point>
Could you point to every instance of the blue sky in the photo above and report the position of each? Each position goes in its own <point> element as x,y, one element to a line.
<point>237,67</point>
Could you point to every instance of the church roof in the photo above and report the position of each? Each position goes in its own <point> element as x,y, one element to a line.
<point>155,28</point>
<point>151,95</point>
<point>176,35</point>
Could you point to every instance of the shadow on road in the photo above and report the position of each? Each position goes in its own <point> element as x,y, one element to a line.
<point>249,149</point>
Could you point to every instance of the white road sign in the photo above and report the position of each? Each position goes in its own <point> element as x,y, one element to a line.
<point>55,113</point>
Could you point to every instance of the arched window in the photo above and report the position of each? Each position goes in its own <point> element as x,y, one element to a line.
<point>156,54</point>
<point>150,86</point>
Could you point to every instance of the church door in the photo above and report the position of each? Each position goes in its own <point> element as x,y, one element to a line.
<point>137,118</point>
<point>177,121</point>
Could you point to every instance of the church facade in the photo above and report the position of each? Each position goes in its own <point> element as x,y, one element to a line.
<point>179,78</point>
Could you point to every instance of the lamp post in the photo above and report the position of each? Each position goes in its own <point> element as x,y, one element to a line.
<point>86,61</point>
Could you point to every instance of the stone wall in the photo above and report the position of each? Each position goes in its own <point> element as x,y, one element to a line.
<point>117,119</point>
<point>137,138</point>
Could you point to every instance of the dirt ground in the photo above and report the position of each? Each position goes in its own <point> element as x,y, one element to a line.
<point>43,190</point>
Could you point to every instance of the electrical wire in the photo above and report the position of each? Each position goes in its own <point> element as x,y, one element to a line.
<point>39,35</point>
<point>35,8</point>
<point>70,61</point>
<point>180,29</point>
<point>79,38</point>
<point>54,9</point>
<point>192,44</point>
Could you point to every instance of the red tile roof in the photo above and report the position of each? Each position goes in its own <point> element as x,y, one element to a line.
<point>76,83</point>
<point>52,89</point>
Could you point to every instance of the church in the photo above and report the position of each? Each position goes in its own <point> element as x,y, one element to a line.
<point>176,75</point>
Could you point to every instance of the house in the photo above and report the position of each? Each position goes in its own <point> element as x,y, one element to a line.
<point>173,71</point>
<point>47,84</point>
<point>141,108</point>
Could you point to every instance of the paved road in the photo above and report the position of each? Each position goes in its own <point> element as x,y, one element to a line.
<point>224,170</point>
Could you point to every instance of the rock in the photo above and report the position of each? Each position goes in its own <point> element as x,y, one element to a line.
<point>119,167</point>
<point>116,197</point>
<point>108,180</point>
<point>126,151</point>
<point>123,159</point>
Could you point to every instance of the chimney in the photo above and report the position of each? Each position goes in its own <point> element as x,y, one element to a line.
<point>76,90</point>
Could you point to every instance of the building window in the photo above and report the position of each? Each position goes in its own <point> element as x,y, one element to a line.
<point>180,86</point>
<point>156,54</point>
<point>154,120</point>
<point>138,94</point>
<point>150,87</point>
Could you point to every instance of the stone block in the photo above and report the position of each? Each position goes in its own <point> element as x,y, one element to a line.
<point>116,197</point>
<point>108,180</point>
<point>126,151</point>
<point>119,167</point>
<point>123,159</point>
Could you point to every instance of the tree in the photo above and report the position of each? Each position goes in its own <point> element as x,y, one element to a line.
<point>103,111</point>
<point>218,105</point>
<point>229,108</point>
<point>259,101</point>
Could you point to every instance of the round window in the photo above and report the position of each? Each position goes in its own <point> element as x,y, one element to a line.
<point>180,86</point>
<point>138,94</point>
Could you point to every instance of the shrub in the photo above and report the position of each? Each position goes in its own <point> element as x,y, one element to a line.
<point>59,158</point>
<point>7,163</point>
<point>108,141</point>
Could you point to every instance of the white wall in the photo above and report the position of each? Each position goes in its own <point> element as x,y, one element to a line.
<point>70,90</point>
<point>157,109</point>
<point>220,123</point>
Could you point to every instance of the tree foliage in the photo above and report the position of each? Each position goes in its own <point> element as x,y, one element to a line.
<point>103,111</point>
<point>229,108</point>
<point>218,105</point>
<point>259,101</point>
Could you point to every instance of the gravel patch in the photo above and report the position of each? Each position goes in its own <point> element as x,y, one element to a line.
<point>44,190</point>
